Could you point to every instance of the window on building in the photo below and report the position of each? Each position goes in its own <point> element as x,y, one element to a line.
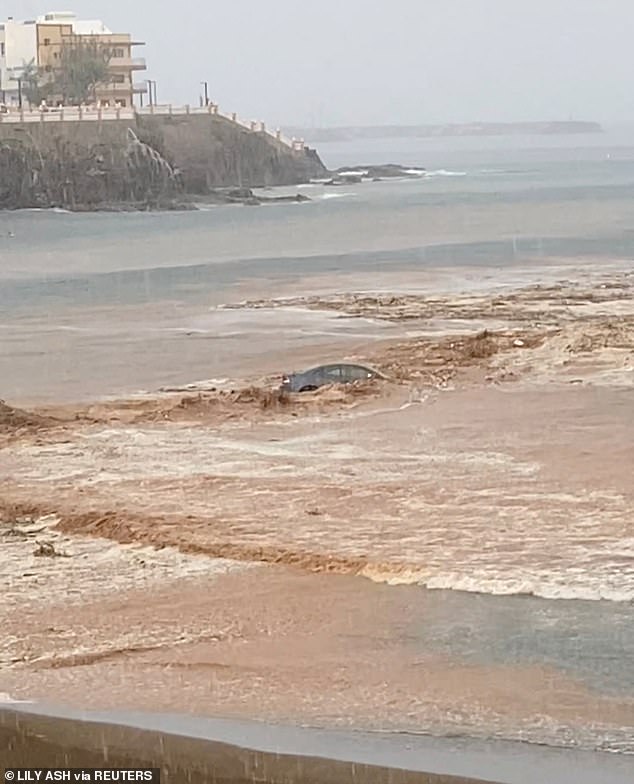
<point>2,49</point>
<point>47,42</point>
<point>48,68</point>
<point>118,78</point>
<point>118,52</point>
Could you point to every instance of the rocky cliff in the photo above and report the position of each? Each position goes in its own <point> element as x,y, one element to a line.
<point>152,161</point>
<point>212,152</point>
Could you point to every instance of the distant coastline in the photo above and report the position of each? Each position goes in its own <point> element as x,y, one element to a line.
<point>353,133</point>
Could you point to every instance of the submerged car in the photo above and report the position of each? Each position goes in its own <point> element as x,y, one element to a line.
<point>321,376</point>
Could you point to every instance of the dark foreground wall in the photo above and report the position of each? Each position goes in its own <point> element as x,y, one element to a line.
<point>38,741</point>
<point>149,160</point>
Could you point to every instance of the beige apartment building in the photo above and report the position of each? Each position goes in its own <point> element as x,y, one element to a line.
<point>42,40</point>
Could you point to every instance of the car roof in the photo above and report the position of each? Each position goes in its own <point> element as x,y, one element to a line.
<point>339,365</point>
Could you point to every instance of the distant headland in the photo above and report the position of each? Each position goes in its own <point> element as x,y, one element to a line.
<point>353,133</point>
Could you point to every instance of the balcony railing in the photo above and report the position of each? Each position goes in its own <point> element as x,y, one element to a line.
<point>133,63</point>
<point>116,86</point>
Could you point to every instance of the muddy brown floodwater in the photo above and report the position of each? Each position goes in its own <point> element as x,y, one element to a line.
<point>227,550</point>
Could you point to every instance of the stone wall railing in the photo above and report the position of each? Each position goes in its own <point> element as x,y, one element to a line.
<point>65,114</point>
<point>98,114</point>
<point>213,109</point>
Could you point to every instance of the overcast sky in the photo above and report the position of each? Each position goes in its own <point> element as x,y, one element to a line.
<point>355,62</point>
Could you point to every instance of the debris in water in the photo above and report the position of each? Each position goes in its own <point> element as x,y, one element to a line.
<point>48,550</point>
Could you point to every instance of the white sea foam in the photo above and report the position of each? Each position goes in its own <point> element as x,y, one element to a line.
<point>582,586</point>
<point>328,196</point>
<point>53,210</point>
<point>445,173</point>
<point>7,699</point>
<point>499,171</point>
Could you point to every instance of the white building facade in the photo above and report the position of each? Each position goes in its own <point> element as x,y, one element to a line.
<point>18,47</point>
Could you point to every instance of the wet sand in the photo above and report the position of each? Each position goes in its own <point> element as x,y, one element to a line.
<point>281,645</point>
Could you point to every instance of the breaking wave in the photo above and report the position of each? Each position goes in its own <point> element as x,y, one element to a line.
<point>328,196</point>
<point>542,586</point>
<point>445,173</point>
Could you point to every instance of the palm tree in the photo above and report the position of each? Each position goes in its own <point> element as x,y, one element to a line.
<point>29,83</point>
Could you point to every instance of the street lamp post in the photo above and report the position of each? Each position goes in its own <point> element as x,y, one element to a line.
<point>18,79</point>
<point>206,86</point>
<point>152,91</point>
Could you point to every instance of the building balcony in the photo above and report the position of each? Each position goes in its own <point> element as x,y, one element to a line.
<point>129,63</point>
<point>120,88</point>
